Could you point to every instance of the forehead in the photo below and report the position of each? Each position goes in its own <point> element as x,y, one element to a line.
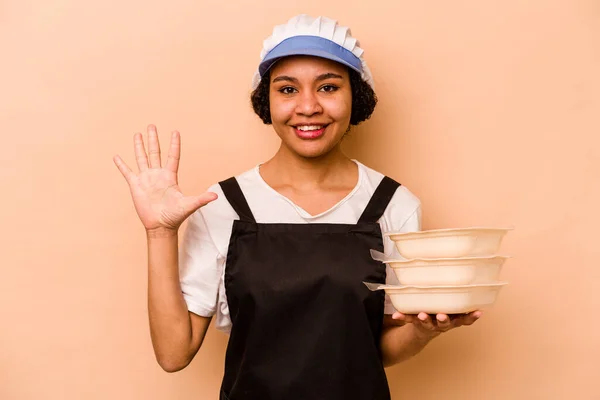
<point>307,65</point>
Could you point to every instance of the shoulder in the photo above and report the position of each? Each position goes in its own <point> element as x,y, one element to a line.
<point>216,218</point>
<point>404,205</point>
<point>221,208</point>
<point>403,197</point>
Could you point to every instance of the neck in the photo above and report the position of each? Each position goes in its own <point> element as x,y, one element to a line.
<point>287,168</point>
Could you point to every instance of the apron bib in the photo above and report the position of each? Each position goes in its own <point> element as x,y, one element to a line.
<point>304,326</point>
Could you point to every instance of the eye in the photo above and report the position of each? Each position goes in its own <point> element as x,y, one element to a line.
<point>328,88</point>
<point>287,90</point>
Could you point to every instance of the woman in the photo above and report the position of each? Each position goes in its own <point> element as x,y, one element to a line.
<point>278,254</point>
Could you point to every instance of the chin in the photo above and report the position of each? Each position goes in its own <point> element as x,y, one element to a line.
<point>309,152</point>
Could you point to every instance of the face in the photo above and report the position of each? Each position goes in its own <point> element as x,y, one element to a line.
<point>310,102</point>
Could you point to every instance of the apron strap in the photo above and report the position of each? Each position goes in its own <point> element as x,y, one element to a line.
<point>379,201</point>
<point>235,196</point>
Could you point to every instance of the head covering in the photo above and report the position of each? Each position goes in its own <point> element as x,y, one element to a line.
<point>319,37</point>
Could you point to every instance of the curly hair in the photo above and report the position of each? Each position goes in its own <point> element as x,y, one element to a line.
<point>364,99</point>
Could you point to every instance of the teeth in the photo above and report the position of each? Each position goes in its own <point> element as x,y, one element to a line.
<point>310,127</point>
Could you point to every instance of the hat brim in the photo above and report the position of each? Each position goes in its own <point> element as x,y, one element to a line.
<point>310,46</point>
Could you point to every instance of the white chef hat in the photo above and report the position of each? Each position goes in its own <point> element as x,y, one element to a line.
<point>320,37</point>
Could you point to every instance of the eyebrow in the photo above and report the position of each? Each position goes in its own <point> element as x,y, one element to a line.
<point>322,77</point>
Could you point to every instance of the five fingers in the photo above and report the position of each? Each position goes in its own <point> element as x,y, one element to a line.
<point>439,322</point>
<point>152,158</point>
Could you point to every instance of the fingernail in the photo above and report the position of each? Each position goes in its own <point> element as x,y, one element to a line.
<point>441,318</point>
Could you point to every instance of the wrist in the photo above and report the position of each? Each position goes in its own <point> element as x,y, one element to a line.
<point>161,233</point>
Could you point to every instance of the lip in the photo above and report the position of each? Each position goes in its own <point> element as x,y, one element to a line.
<point>310,135</point>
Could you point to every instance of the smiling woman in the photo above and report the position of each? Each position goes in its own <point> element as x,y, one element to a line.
<point>364,99</point>
<point>278,254</point>
<point>310,104</point>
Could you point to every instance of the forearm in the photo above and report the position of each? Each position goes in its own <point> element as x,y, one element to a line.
<point>399,343</point>
<point>170,325</point>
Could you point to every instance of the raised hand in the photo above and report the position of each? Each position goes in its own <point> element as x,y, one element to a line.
<point>156,195</point>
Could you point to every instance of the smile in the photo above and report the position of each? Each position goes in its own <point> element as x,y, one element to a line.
<point>309,132</point>
<point>310,127</point>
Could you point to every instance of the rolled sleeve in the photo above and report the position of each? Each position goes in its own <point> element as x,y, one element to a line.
<point>200,268</point>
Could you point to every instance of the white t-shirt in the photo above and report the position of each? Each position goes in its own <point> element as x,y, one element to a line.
<point>205,242</point>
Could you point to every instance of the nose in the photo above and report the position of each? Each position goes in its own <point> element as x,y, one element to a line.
<point>308,104</point>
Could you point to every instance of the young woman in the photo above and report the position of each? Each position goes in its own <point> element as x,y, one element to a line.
<point>278,254</point>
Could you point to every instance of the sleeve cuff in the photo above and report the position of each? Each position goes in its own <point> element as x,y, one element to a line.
<point>198,309</point>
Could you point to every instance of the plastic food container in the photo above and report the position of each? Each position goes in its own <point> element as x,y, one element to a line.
<point>448,243</point>
<point>440,299</point>
<point>448,271</point>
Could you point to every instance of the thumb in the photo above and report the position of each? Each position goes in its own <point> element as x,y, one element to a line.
<point>192,203</point>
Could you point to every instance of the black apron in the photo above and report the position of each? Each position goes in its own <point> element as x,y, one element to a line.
<point>304,326</point>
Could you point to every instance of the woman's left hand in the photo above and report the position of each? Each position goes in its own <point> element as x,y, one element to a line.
<point>428,327</point>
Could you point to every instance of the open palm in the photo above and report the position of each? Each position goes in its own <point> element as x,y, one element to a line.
<point>156,195</point>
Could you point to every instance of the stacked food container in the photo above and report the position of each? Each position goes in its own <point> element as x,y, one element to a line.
<point>446,271</point>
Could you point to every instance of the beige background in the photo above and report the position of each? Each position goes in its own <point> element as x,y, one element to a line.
<point>489,112</point>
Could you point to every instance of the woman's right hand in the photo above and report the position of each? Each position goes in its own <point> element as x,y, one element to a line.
<point>155,191</point>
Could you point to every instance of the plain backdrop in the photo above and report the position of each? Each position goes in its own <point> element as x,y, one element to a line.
<point>489,112</point>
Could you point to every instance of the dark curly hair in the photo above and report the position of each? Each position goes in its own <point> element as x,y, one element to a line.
<point>363,99</point>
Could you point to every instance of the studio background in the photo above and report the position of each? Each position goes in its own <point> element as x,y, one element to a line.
<point>488,112</point>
